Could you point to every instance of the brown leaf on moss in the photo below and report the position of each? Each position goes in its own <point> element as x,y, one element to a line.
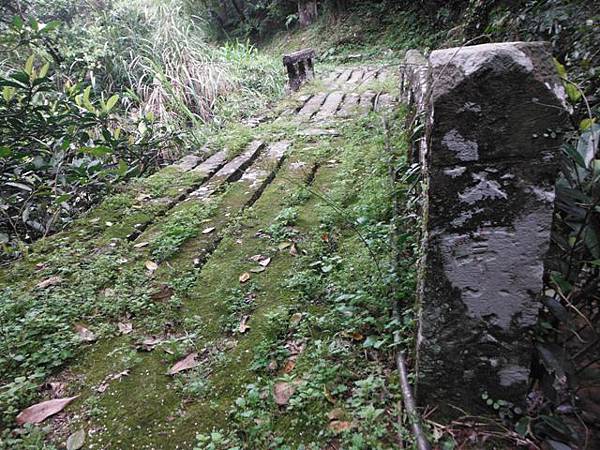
<point>85,334</point>
<point>125,327</point>
<point>294,250</point>
<point>335,414</point>
<point>284,245</point>
<point>76,440</point>
<point>244,277</point>
<point>52,281</point>
<point>189,362</point>
<point>151,266</point>
<point>265,262</point>
<point>149,343</point>
<point>289,365</point>
<point>282,392</point>
<point>243,327</point>
<point>337,426</point>
<point>295,319</point>
<point>164,293</point>
<point>41,411</point>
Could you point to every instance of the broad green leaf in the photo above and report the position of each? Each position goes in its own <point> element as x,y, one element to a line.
<point>50,26</point>
<point>86,100</point>
<point>28,69</point>
<point>587,146</point>
<point>573,92</point>
<point>592,241</point>
<point>111,102</point>
<point>21,80</point>
<point>574,155</point>
<point>122,168</point>
<point>62,198</point>
<point>44,70</point>
<point>96,151</point>
<point>586,123</point>
<point>562,71</point>
<point>34,24</point>
<point>17,23</point>
<point>8,92</point>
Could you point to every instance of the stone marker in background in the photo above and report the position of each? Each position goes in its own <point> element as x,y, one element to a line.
<point>494,115</point>
<point>300,67</point>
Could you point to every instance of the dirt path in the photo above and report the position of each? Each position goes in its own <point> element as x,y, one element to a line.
<point>230,299</point>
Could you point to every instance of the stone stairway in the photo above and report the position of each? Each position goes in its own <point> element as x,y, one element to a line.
<point>163,261</point>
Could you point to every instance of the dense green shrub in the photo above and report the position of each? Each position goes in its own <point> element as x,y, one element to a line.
<point>114,87</point>
<point>60,147</point>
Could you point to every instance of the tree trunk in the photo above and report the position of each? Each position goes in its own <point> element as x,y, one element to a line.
<point>239,10</point>
<point>307,12</point>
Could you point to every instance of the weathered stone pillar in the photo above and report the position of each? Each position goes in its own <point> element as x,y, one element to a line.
<point>300,67</point>
<point>494,117</point>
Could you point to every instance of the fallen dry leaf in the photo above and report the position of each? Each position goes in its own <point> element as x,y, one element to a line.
<point>265,262</point>
<point>295,319</point>
<point>258,269</point>
<point>244,277</point>
<point>164,293</point>
<point>112,377</point>
<point>142,197</point>
<point>272,367</point>
<point>337,426</point>
<point>284,245</point>
<point>85,334</point>
<point>328,396</point>
<point>256,258</point>
<point>283,391</point>
<point>57,388</point>
<point>76,440</point>
<point>294,250</point>
<point>357,336</point>
<point>295,347</point>
<point>140,244</point>
<point>40,411</point>
<point>52,281</point>
<point>148,344</point>
<point>244,324</point>
<point>189,362</point>
<point>335,414</point>
<point>208,230</point>
<point>151,266</point>
<point>109,224</point>
<point>289,365</point>
<point>125,327</point>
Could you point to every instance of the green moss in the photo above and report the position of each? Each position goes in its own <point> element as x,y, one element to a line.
<point>329,278</point>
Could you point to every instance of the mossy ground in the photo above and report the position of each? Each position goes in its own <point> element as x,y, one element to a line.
<point>318,314</point>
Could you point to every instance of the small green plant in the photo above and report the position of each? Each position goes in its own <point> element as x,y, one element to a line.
<point>181,225</point>
<point>282,228</point>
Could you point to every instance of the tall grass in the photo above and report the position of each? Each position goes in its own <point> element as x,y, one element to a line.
<point>159,54</point>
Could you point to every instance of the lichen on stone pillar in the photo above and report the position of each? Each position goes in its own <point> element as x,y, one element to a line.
<point>490,166</point>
